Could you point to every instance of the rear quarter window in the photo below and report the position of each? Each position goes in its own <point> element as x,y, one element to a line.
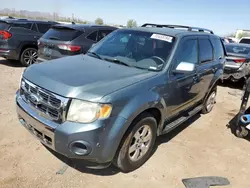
<point>62,34</point>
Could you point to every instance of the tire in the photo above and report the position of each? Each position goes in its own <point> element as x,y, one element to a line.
<point>28,56</point>
<point>130,154</point>
<point>210,99</point>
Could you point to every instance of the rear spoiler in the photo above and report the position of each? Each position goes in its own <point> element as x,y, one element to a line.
<point>60,26</point>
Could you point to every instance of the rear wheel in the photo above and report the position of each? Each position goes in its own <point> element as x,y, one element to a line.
<point>138,143</point>
<point>210,101</point>
<point>28,56</point>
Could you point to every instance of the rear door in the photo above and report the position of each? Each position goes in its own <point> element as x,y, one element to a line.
<point>57,42</point>
<point>207,65</point>
<point>22,34</point>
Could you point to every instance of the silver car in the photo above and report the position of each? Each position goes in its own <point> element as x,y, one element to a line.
<point>237,62</point>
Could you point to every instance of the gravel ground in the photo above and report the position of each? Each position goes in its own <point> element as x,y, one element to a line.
<point>202,147</point>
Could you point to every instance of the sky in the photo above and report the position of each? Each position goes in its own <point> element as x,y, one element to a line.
<point>221,16</point>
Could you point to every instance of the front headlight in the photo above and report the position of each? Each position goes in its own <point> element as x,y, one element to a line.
<point>87,112</point>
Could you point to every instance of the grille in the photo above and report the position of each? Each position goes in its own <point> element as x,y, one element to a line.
<point>51,105</point>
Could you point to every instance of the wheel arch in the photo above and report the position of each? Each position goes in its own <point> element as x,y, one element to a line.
<point>25,46</point>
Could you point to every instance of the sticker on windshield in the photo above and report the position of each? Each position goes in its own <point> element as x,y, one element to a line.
<point>162,37</point>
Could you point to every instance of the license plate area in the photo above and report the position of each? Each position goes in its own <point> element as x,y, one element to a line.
<point>47,51</point>
<point>39,134</point>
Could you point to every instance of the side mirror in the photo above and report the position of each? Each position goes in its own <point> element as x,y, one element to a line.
<point>184,67</point>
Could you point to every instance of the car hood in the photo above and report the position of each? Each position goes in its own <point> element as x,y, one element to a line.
<point>84,77</point>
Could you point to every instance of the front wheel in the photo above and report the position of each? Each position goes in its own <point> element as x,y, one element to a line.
<point>28,56</point>
<point>210,101</point>
<point>138,143</point>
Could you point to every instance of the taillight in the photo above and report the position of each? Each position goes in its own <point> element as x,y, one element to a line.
<point>69,47</point>
<point>5,34</point>
<point>240,60</point>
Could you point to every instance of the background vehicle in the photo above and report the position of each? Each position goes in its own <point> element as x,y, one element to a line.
<point>70,39</point>
<point>110,104</point>
<point>245,40</point>
<point>18,39</point>
<point>237,62</point>
<point>227,40</point>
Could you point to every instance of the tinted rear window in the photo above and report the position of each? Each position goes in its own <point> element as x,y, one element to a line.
<point>3,26</point>
<point>237,49</point>
<point>62,34</point>
<point>246,41</point>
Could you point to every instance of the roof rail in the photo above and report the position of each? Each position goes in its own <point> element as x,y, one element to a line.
<point>189,28</point>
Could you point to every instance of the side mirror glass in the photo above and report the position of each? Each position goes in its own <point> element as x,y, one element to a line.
<point>184,67</point>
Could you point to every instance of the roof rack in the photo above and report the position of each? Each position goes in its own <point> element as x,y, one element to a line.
<point>179,26</point>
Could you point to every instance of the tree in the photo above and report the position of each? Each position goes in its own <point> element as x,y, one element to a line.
<point>99,21</point>
<point>131,23</point>
<point>243,34</point>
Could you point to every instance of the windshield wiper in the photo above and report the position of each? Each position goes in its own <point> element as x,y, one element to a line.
<point>117,61</point>
<point>95,54</point>
<point>54,38</point>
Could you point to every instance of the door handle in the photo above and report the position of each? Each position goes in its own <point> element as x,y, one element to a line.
<point>214,70</point>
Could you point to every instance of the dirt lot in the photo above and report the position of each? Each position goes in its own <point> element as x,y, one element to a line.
<point>204,147</point>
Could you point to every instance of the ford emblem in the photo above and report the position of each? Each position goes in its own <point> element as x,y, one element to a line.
<point>34,99</point>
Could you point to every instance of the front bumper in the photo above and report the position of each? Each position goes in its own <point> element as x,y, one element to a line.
<point>96,142</point>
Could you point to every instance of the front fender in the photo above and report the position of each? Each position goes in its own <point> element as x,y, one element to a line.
<point>140,103</point>
<point>128,113</point>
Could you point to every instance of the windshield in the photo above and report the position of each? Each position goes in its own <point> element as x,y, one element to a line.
<point>135,48</point>
<point>236,49</point>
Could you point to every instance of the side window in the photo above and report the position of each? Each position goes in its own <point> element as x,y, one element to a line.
<point>102,34</point>
<point>218,48</point>
<point>34,28</point>
<point>22,25</point>
<point>43,27</point>
<point>188,52</point>
<point>92,36</point>
<point>246,41</point>
<point>205,50</point>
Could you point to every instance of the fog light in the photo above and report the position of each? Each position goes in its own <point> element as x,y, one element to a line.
<point>80,148</point>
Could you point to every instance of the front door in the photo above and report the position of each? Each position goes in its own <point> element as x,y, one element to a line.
<point>184,87</point>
